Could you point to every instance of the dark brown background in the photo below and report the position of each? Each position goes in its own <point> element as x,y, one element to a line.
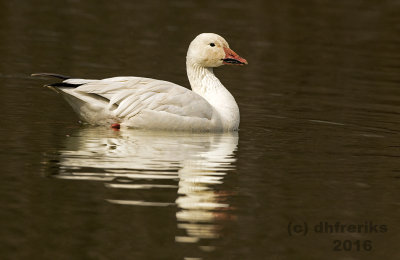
<point>318,140</point>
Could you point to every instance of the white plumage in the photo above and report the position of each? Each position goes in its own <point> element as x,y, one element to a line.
<point>145,103</point>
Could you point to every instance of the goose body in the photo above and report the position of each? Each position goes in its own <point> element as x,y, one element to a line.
<point>146,103</point>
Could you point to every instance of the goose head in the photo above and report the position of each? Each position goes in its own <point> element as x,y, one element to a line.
<point>211,50</point>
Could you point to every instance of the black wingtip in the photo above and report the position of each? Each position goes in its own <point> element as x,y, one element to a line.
<point>63,84</point>
<point>59,76</point>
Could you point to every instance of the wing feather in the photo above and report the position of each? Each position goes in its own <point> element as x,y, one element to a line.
<point>133,95</point>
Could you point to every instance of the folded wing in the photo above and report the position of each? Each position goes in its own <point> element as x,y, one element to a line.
<point>137,101</point>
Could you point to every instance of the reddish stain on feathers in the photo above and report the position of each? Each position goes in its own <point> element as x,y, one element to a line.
<point>116,126</point>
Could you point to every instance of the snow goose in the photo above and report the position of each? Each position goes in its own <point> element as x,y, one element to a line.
<point>146,103</point>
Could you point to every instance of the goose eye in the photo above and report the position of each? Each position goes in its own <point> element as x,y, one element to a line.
<point>212,44</point>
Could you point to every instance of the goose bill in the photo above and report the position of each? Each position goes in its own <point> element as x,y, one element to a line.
<point>232,58</point>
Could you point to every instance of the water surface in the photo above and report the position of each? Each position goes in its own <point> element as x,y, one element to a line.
<point>318,140</point>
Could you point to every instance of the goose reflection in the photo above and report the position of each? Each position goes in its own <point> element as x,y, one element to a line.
<point>190,165</point>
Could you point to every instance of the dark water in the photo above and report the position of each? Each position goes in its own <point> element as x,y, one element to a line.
<point>318,142</point>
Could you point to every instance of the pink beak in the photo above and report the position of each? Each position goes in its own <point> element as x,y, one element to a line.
<point>231,58</point>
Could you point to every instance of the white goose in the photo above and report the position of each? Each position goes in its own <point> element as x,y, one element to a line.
<point>146,103</point>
